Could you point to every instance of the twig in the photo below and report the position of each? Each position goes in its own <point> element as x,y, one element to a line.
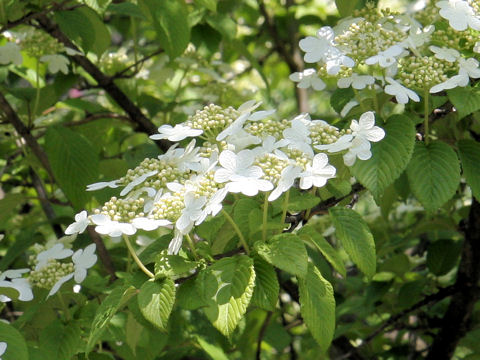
<point>105,82</point>
<point>102,253</point>
<point>262,333</point>
<point>460,310</point>
<point>121,73</point>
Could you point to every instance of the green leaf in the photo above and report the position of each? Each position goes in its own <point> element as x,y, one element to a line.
<point>188,296</point>
<point>23,241</point>
<point>74,163</point>
<point>356,238</point>
<point>214,351</point>
<point>8,206</point>
<point>299,200</point>
<point>209,4</point>
<point>59,341</point>
<point>156,300</point>
<point>223,24</point>
<point>442,256</point>
<point>433,174</point>
<point>285,251</point>
<point>241,213</point>
<point>317,306</point>
<point>170,21</point>
<point>328,251</point>
<point>266,290</point>
<point>340,98</point>
<point>172,265</point>
<point>133,332</point>
<point>85,27</point>
<point>346,7</point>
<point>469,151</point>
<point>126,9</point>
<point>390,156</point>
<point>227,286</point>
<point>108,307</point>
<point>16,346</point>
<point>465,99</point>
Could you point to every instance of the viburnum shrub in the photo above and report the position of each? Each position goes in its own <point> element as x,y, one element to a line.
<point>247,179</point>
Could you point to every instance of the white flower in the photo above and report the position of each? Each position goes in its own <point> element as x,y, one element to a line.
<point>317,173</point>
<point>269,146</point>
<point>461,80</point>
<point>137,181</point>
<point>417,36</point>
<point>401,93</point>
<point>308,78</point>
<point>342,143</point>
<point>242,139</point>
<point>214,204</point>
<point>469,66</point>
<point>59,284</point>
<point>188,158</point>
<point>443,53</point>
<point>237,125</point>
<point>10,52</point>
<point>365,128</point>
<point>298,137</point>
<point>177,133</point>
<point>16,282</point>
<point>149,224</point>
<point>80,224</point>
<point>102,184</point>
<point>55,252</point>
<point>3,348</point>
<point>107,226</point>
<point>192,213</point>
<point>241,176</point>
<point>335,61</point>
<point>476,47</point>
<point>356,81</point>
<point>386,58</point>
<point>176,243</point>
<point>360,148</point>
<point>83,260</point>
<point>287,178</point>
<point>318,48</point>
<point>348,106</point>
<point>56,63</point>
<point>459,14</point>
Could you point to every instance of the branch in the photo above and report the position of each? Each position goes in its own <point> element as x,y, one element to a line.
<point>102,252</point>
<point>121,73</point>
<point>105,82</point>
<point>456,321</point>
<point>262,333</point>
<point>25,133</point>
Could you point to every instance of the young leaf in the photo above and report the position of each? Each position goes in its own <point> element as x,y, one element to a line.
<point>266,290</point>
<point>156,300</point>
<point>389,156</point>
<point>209,4</point>
<point>356,238</point>
<point>60,341</point>
<point>433,174</point>
<point>74,162</point>
<point>465,99</point>
<point>285,251</point>
<point>317,306</point>
<point>227,287</point>
<point>328,251</point>
<point>16,346</point>
<point>109,306</point>
<point>170,21</point>
<point>469,151</point>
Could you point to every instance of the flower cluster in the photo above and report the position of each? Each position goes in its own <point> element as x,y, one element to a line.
<point>242,151</point>
<point>51,269</point>
<point>395,52</point>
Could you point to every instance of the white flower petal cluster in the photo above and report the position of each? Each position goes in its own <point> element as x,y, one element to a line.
<point>386,58</point>
<point>17,282</point>
<point>308,78</point>
<point>10,53</point>
<point>176,133</point>
<point>402,94</point>
<point>83,260</point>
<point>459,14</point>
<point>80,224</point>
<point>317,173</point>
<point>356,81</point>
<point>56,63</point>
<point>3,348</point>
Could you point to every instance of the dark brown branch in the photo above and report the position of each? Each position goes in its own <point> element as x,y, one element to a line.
<point>25,133</point>
<point>105,82</point>
<point>102,252</point>
<point>291,55</point>
<point>459,312</point>
<point>262,333</point>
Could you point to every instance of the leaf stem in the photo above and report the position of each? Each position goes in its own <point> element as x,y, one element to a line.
<point>425,118</point>
<point>237,230</point>
<point>64,306</point>
<point>285,205</point>
<point>37,85</point>
<point>135,257</point>
<point>192,246</point>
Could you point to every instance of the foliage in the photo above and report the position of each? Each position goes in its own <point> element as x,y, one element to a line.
<point>167,191</point>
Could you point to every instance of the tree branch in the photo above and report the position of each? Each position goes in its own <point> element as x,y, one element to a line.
<point>105,82</point>
<point>456,321</point>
